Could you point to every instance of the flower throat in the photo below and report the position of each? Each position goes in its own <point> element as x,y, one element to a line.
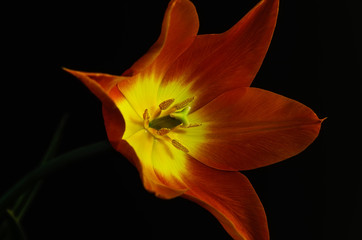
<point>166,119</point>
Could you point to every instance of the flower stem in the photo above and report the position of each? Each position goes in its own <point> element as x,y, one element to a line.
<point>46,169</point>
<point>24,201</point>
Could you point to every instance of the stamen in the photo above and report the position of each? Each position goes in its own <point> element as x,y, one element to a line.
<point>179,146</point>
<point>191,125</point>
<point>163,131</point>
<point>146,115</point>
<point>184,103</point>
<point>165,104</point>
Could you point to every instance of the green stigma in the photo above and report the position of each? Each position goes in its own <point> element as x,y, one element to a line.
<point>172,120</point>
<point>182,116</point>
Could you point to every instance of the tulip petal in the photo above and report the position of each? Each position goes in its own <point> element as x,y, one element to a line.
<point>168,163</point>
<point>230,197</point>
<point>179,28</point>
<point>150,181</point>
<point>119,117</point>
<point>221,62</point>
<point>99,84</point>
<point>115,126</point>
<point>247,128</point>
<point>161,164</point>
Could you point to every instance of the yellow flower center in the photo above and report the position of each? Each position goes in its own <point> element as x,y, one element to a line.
<point>166,119</point>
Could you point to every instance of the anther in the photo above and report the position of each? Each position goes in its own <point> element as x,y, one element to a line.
<point>179,146</point>
<point>184,103</point>
<point>191,125</point>
<point>163,131</point>
<point>165,104</point>
<point>146,115</point>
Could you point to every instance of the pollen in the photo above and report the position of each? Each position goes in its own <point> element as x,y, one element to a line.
<point>146,115</point>
<point>179,146</point>
<point>165,104</point>
<point>191,125</point>
<point>163,131</point>
<point>184,103</point>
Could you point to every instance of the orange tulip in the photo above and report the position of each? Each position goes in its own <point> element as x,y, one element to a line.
<point>185,116</point>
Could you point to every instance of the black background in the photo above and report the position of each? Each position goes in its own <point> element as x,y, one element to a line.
<point>314,58</point>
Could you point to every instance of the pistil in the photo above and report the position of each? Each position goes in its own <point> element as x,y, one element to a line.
<point>160,125</point>
<point>182,116</point>
<point>164,122</point>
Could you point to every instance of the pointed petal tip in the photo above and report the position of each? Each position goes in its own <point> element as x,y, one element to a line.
<point>267,128</point>
<point>66,69</point>
<point>179,29</point>
<point>73,72</point>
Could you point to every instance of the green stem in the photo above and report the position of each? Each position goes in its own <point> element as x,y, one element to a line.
<point>29,200</point>
<point>11,229</point>
<point>26,198</point>
<point>72,157</point>
<point>56,139</point>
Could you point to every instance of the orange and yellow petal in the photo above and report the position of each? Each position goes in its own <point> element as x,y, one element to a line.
<point>144,91</point>
<point>160,190</point>
<point>221,62</point>
<point>230,197</point>
<point>179,28</point>
<point>99,84</point>
<point>247,128</point>
<point>161,163</point>
<point>150,180</point>
<point>140,92</point>
<point>169,163</point>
